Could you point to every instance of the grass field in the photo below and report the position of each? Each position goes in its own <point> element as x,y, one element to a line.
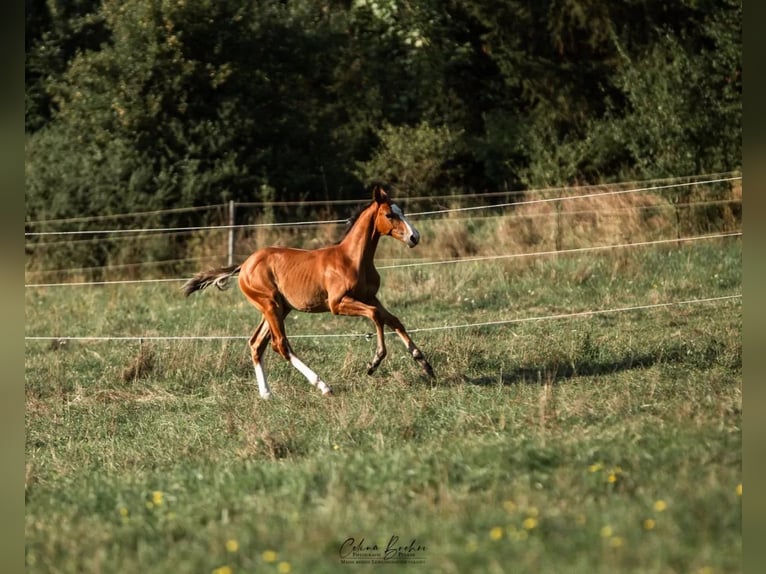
<point>609,443</point>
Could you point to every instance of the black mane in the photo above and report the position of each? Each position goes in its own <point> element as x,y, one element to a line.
<point>352,220</point>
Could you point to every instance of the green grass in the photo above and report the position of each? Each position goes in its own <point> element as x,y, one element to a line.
<point>543,446</point>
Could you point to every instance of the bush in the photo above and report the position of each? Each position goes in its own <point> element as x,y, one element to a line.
<point>414,159</point>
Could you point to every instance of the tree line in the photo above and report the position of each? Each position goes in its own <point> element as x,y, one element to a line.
<point>153,104</point>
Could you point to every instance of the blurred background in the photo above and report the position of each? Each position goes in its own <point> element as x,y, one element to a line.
<point>171,110</point>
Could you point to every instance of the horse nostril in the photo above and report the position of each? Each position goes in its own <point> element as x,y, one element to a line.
<point>415,238</point>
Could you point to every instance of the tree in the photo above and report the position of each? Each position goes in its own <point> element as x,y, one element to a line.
<point>151,104</point>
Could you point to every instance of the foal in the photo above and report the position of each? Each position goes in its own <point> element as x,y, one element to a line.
<point>341,279</point>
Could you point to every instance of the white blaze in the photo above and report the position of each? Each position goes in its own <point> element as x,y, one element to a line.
<point>413,236</point>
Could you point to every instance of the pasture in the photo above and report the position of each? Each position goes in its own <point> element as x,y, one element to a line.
<point>548,443</point>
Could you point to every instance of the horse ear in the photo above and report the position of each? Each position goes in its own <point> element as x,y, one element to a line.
<point>379,194</point>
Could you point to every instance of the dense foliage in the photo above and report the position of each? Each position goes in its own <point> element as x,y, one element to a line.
<point>151,104</point>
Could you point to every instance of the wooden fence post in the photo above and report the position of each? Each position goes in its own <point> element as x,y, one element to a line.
<point>231,232</point>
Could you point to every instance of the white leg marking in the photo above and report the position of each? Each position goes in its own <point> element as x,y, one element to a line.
<point>263,387</point>
<point>309,374</point>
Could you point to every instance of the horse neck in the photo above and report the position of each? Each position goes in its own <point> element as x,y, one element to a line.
<point>362,239</point>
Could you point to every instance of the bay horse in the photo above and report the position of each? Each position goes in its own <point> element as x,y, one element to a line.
<point>340,278</point>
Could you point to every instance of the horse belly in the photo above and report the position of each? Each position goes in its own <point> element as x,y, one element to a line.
<point>300,283</point>
<point>314,301</point>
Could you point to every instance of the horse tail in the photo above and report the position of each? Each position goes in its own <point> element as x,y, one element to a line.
<point>220,277</point>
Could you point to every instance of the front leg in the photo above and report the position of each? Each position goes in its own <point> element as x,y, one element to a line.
<point>347,305</point>
<point>380,354</point>
<point>394,322</point>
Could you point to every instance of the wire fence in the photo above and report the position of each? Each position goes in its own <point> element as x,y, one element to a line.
<point>409,264</point>
<point>346,202</point>
<point>152,233</point>
<point>101,234</point>
<point>496,323</point>
<point>516,204</point>
<point>97,237</point>
<point>577,213</point>
<point>470,259</point>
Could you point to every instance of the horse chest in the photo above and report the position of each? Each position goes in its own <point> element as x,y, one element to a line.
<point>366,284</point>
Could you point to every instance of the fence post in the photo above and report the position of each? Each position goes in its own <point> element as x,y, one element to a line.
<point>231,232</point>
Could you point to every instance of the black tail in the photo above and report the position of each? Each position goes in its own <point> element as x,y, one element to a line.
<point>219,277</point>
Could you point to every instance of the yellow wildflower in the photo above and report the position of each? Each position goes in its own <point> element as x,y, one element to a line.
<point>124,511</point>
<point>660,505</point>
<point>615,541</point>
<point>284,568</point>
<point>157,497</point>
<point>739,489</point>
<point>606,532</point>
<point>496,533</point>
<point>649,524</point>
<point>269,556</point>
<point>222,570</point>
<point>530,523</point>
<point>232,545</point>
<point>595,467</point>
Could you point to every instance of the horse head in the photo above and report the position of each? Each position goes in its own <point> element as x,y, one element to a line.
<point>390,219</point>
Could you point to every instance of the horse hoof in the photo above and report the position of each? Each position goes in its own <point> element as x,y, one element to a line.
<point>328,393</point>
<point>266,397</point>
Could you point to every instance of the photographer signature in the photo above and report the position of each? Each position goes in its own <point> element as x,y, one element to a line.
<point>393,550</point>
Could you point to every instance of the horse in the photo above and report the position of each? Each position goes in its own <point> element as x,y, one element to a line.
<point>340,279</point>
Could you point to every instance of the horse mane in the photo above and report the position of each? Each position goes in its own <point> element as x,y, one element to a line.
<point>352,220</point>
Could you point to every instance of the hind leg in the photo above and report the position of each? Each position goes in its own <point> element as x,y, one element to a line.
<point>312,377</point>
<point>258,343</point>
<point>282,346</point>
<point>261,291</point>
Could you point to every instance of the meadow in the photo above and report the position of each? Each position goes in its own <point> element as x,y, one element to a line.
<point>549,442</point>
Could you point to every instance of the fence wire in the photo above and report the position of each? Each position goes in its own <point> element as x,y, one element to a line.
<point>471,259</point>
<point>157,230</point>
<point>574,315</point>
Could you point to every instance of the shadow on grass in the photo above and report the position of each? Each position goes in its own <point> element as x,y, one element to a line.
<point>557,371</point>
<point>554,371</point>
